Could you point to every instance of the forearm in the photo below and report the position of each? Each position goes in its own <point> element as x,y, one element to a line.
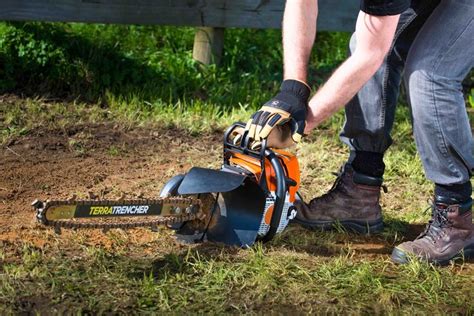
<point>345,82</point>
<point>299,33</point>
<point>374,37</point>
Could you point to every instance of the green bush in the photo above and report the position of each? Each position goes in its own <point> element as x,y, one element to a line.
<point>150,63</point>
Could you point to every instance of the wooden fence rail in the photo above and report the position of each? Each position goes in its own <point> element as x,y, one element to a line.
<point>211,16</point>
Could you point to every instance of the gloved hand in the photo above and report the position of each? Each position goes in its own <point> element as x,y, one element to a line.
<point>279,137</point>
<point>289,106</point>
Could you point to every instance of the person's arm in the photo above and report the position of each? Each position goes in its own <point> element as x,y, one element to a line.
<point>374,36</point>
<point>290,104</point>
<point>299,33</point>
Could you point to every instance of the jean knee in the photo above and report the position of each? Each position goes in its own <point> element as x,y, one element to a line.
<point>418,82</point>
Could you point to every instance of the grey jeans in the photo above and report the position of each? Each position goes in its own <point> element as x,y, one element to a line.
<point>433,52</point>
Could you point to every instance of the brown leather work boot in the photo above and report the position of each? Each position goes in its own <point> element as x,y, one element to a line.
<point>448,236</point>
<point>353,202</point>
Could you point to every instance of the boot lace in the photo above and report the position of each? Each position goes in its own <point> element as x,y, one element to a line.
<point>439,220</point>
<point>328,196</point>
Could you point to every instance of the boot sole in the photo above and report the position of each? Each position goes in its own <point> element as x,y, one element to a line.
<point>401,257</point>
<point>357,226</point>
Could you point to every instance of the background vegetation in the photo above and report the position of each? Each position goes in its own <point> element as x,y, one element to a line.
<point>153,64</point>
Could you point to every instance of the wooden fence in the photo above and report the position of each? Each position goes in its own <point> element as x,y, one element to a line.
<point>210,16</point>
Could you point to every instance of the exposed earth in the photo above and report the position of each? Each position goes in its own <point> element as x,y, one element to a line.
<point>95,160</point>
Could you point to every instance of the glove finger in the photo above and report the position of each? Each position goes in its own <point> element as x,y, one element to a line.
<point>256,145</point>
<point>253,125</point>
<point>237,139</point>
<point>247,126</point>
<point>262,121</point>
<point>235,136</point>
<point>297,130</point>
<point>249,122</point>
<point>272,121</point>
<point>253,116</point>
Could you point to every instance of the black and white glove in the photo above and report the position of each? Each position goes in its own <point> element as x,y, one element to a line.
<point>289,106</point>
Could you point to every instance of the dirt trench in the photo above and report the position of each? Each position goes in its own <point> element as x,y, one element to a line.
<point>102,160</point>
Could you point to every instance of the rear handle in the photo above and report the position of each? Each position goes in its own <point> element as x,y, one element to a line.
<point>280,195</point>
<point>264,153</point>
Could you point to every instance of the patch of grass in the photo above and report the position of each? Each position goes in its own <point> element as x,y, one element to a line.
<point>114,150</point>
<point>19,116</point>
<point>221,280</point>
<point>76,147</point>
<point>470,98</point>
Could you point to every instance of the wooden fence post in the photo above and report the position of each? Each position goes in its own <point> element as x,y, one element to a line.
<point>208,45</point>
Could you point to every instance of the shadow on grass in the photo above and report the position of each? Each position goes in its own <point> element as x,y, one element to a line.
<point>179,262</point>
<point>397,231</point>
<point>45,59</point>
<point>322,244</point>
<point>338,241</point>
<point>327,244</point>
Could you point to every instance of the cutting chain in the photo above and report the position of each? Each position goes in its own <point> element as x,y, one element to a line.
<point>166,211</point>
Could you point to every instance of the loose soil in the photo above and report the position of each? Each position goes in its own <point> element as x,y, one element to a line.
<point>105,161</point>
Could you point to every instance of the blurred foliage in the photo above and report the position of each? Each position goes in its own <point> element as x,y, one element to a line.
<point>152,66</point>
<point>88,61</point>
<point>470,98</point>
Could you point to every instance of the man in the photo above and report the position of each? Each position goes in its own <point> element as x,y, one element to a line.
<point>430,42</point>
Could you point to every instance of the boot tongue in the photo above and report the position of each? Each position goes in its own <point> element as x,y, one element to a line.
<point>440,215</point>
<point>438,221</point>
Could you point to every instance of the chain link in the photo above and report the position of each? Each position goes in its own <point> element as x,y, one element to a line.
<point>42,208</point>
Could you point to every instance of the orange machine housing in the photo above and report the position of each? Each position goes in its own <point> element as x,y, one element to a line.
<point>288,160</point>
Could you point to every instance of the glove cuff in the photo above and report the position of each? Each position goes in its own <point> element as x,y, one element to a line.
<point>297,88</point>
